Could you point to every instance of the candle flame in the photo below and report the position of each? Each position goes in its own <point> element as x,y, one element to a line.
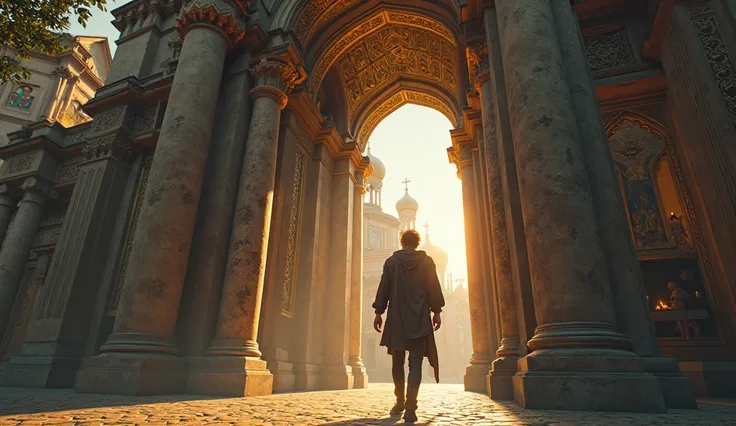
<point>662,306</point>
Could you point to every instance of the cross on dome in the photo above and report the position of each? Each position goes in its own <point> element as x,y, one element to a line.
<point>406,182</point>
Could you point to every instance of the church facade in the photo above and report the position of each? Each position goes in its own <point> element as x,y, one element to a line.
<point>210,237</point>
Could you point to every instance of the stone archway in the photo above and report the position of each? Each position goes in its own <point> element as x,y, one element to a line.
<point>245,240</point>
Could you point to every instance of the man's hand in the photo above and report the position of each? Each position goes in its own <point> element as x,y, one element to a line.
<point>436,321</point>
<point>377,323</point>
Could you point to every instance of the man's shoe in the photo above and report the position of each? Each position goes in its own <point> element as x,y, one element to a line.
<point>410,416</point>
<point>397,409</point>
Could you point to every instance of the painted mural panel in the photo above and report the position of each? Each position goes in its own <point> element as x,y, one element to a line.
<point>635,150</point>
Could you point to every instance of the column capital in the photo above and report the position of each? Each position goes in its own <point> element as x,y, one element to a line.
<point>275,77</point>
<point>478,67</point>
<point>224,16</point>
<point>38,190</point>
<point>461,154</point>
<point>113,146</point>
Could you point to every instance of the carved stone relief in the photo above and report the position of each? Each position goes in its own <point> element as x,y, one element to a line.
<point>287,295</point>
<point>67,172</point>
<point>715,53</point>
<point>609,50</point>
<point>130,234</point>
<point>397,100</point>
<point>385,46</point>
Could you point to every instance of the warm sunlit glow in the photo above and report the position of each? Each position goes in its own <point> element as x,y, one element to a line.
<point>412,142</point>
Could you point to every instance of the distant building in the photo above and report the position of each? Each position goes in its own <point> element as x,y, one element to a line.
<point>382,232</point>
<point>58,86</point>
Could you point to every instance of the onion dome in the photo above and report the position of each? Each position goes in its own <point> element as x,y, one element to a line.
<point>439,256</point>
<point>379,169</point>
<point>407,203</point>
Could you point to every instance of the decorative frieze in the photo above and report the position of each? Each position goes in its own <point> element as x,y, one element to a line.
<point>112,146</point>
<point>716,53</point>
<point>67,172</point>
<point>287,295</point>
<point>78,137</point>
<point>21,163</point>
<point>110,119</point>
<point>53,218</point>
<point>609,51</point>
<point>47,237</point>
<point>145,120</point>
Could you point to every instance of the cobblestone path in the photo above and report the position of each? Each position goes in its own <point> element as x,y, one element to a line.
<point>439,405</point>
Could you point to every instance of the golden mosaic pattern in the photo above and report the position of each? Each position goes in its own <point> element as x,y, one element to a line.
<point>317,13</point>
<point>395,102</point>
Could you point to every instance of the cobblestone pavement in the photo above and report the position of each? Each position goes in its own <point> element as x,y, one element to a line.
<point>439,405</point>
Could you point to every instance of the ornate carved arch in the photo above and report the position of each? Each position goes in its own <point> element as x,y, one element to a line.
<point>401,94</point>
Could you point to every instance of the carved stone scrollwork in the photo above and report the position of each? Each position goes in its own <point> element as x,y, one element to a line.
<point>112,146</point>
<point>226,16</point>
<point>477,54</point>
<point>609,51</point>
<point>274,78</point>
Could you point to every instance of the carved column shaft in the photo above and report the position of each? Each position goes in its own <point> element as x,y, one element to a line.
<point>566,262</point>
<point>203,287</point>
<point>632,310</point>
<point>475,375</point>
<point>240,305</point>
<point>7,208</point>
<point>515,234</point>
<point>18,242</point>
<point>356,287</point>
<point>572,295</point>
<point>163,238</point>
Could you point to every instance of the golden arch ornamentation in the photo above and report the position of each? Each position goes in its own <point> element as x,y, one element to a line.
<point>383,47</point>
<point>396,101</point>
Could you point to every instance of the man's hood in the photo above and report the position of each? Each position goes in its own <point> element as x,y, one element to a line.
<point>409,258</point>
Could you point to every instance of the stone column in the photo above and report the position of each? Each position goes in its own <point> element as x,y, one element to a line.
<point>18,242</point>
<point>55,88</point>
<point>631,307</point>
<point>516,237</point>
<point>335,373</point>
<point>7,208</point>
<point>576,330</point>
<point>476,372</point>
<point>138,357</point>
<point>360,378</point>
<point>500,384</point>
<point>233,365</point>
<point>203,285</point>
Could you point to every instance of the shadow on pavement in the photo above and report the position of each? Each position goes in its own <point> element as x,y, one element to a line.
<point>394,420</point>
<point>18,401</point>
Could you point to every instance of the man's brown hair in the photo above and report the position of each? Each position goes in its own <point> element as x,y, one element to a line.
<point>410,238</point>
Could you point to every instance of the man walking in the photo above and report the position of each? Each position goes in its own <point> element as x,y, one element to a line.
<point>411,289</point>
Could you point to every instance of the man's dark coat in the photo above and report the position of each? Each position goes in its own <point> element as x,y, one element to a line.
<point>411,289</point>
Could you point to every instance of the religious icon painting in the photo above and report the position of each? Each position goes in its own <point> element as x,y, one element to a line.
<point>22,97</point>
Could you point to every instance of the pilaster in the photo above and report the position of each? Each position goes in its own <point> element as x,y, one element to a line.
<point>7,208</point>
<point>55,340</point>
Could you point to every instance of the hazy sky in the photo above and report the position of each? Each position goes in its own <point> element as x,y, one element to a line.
<point>411,142</point>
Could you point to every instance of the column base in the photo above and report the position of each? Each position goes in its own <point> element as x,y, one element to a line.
<point>501,379</point>
<point>40,372</point>
<point>229,376</point>
<point>476,377</point>
<point>711,378</point>
<point>336,377</point>
<point>284,379</point>
<point>306,377</point>
<point>586,383</point>
<point>360,377</point>
<point>677,389</point>
<point>132,374</point>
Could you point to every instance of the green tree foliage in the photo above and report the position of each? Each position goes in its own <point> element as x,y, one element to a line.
<point>37,25</point>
